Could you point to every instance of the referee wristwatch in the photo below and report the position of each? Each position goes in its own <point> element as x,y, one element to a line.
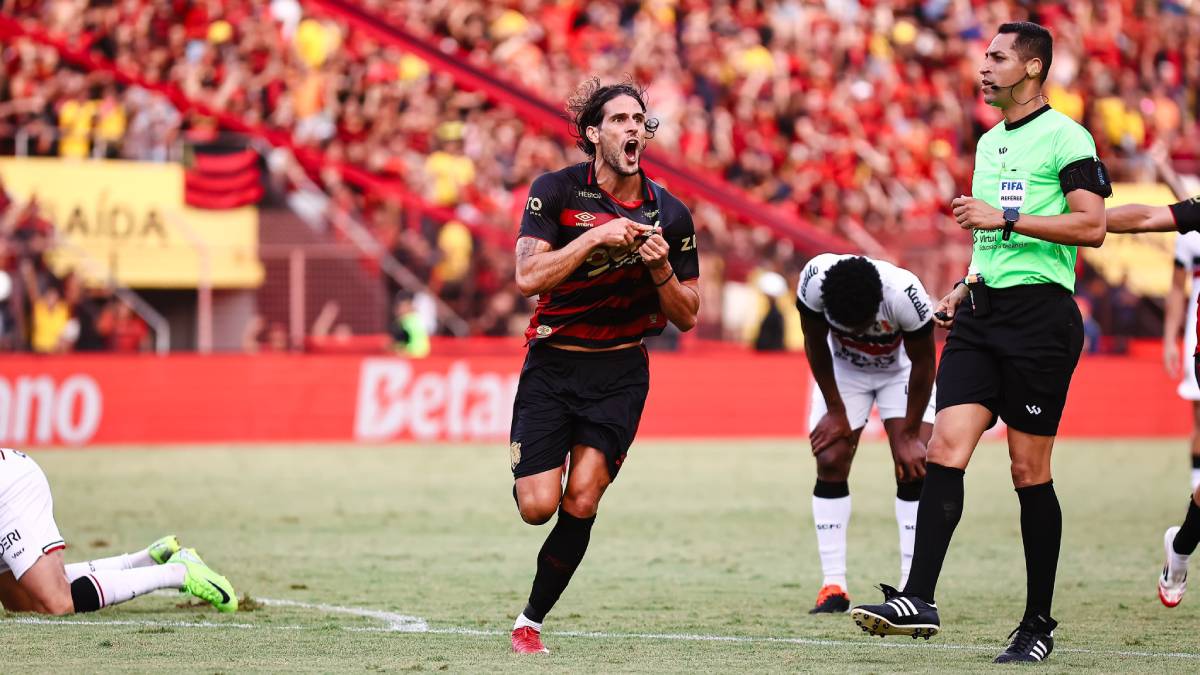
<point>1011,216</point>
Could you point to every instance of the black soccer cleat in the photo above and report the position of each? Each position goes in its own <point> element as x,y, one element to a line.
<point>899,614</point>
<point>1032,641</point>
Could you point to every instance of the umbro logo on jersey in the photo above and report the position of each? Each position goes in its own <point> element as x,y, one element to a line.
<point>584,217</point>
<point>1033,410</point>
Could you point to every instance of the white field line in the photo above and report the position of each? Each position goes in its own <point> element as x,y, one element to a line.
<point>402,623</point>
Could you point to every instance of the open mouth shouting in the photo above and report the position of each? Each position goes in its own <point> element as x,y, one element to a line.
<point>632,149</point>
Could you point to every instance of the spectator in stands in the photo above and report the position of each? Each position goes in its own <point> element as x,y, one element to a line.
<point>124,331</point>
<point>771,328</point>
<point>408,329</point>
<point>9,330</point>
<point>49,330</point>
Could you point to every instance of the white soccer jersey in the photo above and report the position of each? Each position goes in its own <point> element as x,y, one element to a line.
<point>906,307</point>
<point>1187,256</point>
<point>27,528</point>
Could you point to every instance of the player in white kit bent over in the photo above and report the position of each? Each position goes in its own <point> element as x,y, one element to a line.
<point>868,335</point>
<point>33,577</point>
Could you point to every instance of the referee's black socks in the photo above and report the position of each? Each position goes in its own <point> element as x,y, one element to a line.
<point>556,562</point>
<point>938,514</point>
<point>1041,533</point>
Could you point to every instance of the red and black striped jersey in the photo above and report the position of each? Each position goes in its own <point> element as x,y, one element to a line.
<point>610,299</point>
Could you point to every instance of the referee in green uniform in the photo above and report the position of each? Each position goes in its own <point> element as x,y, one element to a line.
<point>1037,193</point>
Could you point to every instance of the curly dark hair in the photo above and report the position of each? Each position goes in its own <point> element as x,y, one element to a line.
<point>852,291</point>
<point>586,108</point>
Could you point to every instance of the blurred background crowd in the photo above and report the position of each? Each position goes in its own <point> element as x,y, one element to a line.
<point>857,116</point>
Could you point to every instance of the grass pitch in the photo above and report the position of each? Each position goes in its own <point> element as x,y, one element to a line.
<point>703,559</point>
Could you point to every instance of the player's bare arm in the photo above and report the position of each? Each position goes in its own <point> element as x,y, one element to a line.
<point>1176,303</point>
<point>1133,218</point>
<point>1084,225</point>
<point>680,300</point>
<point>910,448</point>
<point>539,268</point>
<point>834,426</point>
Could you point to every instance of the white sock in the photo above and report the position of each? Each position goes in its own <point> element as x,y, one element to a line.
<point>126,561</point>
<point>522,622</point>
<point>906,521</point>
<point>832,518</point>
<point>117,586</point>
<point>1195,479</point>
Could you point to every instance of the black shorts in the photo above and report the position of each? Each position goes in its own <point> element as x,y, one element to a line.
<point>1018,360</point>
<point>567,398</point>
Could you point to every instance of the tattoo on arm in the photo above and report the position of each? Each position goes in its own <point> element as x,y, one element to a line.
<point>527,246</point>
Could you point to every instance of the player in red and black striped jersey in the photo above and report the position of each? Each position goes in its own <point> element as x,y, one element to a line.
<point>612,257</point>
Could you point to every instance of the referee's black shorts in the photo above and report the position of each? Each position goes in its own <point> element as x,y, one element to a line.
<point>568,398</point>
<point>1018,360</point>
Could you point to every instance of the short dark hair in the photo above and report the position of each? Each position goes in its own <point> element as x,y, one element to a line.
<point>586,108</point>
<point>852,291</point>
<point>1033,42</point>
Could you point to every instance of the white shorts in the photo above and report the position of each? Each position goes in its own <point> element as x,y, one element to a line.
<point>862,390</point>
<point>27,528</point>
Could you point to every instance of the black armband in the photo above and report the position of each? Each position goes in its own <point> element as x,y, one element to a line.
<point>1085,174</point>
<point>1186,214</point>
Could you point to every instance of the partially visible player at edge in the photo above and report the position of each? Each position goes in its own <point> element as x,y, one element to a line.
<point>33,577</point>
<point>1038,192</point>
<point>868,331</point>
<point>1184,217</point>
<point>612,257</point>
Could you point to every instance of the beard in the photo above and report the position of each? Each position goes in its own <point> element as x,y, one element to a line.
<point>614,157</point>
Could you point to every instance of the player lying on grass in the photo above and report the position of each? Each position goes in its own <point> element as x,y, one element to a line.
<point>1183,217</point>
<point>33,577</point>
<point>868,334</point>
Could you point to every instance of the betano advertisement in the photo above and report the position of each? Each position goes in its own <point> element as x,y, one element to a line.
<point>106,399</point>
<point>130,218</point>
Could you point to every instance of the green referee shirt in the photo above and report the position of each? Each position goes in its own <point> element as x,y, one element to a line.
<point>1017,165</point>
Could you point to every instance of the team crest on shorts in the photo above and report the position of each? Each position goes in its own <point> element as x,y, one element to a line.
<point>543,331</point>
<point>514,454</point>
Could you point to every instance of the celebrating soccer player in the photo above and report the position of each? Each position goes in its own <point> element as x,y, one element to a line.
<point>856,313</point>
<point>33,577</point>
<point>612,257</point>
<point>1037,193</point>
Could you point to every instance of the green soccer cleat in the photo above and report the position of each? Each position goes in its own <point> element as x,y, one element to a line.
<point>162,550</point>
<point>204,583</point>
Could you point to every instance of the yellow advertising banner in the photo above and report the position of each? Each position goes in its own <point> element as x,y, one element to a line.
<point>1143,262</point>
<point>129,220</point>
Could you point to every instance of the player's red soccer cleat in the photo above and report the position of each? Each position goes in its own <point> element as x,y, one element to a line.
<point>526,640</point>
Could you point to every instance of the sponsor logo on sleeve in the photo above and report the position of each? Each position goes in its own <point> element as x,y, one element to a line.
<point>809,273</point>
<point>918,303</point>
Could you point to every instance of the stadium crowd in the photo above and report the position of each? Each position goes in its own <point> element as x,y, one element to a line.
<point>858,115</point>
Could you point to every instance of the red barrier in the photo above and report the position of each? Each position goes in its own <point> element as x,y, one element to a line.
<point>78,400</point>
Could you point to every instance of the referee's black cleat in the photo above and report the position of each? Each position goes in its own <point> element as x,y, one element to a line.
<point>899,614</point>
<point>1032,641</point>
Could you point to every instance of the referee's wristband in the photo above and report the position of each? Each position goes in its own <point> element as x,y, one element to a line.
<point>1187,215</point>
<point>660,284</point>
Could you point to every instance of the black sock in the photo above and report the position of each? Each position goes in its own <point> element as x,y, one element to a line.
<point>1041,533</point>
<point>1189,535</point>
<point>831,489</point>
<point>911,491</point>
<point>556,562</point>
<point>937,516</point>
<point>85,595</point>
<point>1196,461</point>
